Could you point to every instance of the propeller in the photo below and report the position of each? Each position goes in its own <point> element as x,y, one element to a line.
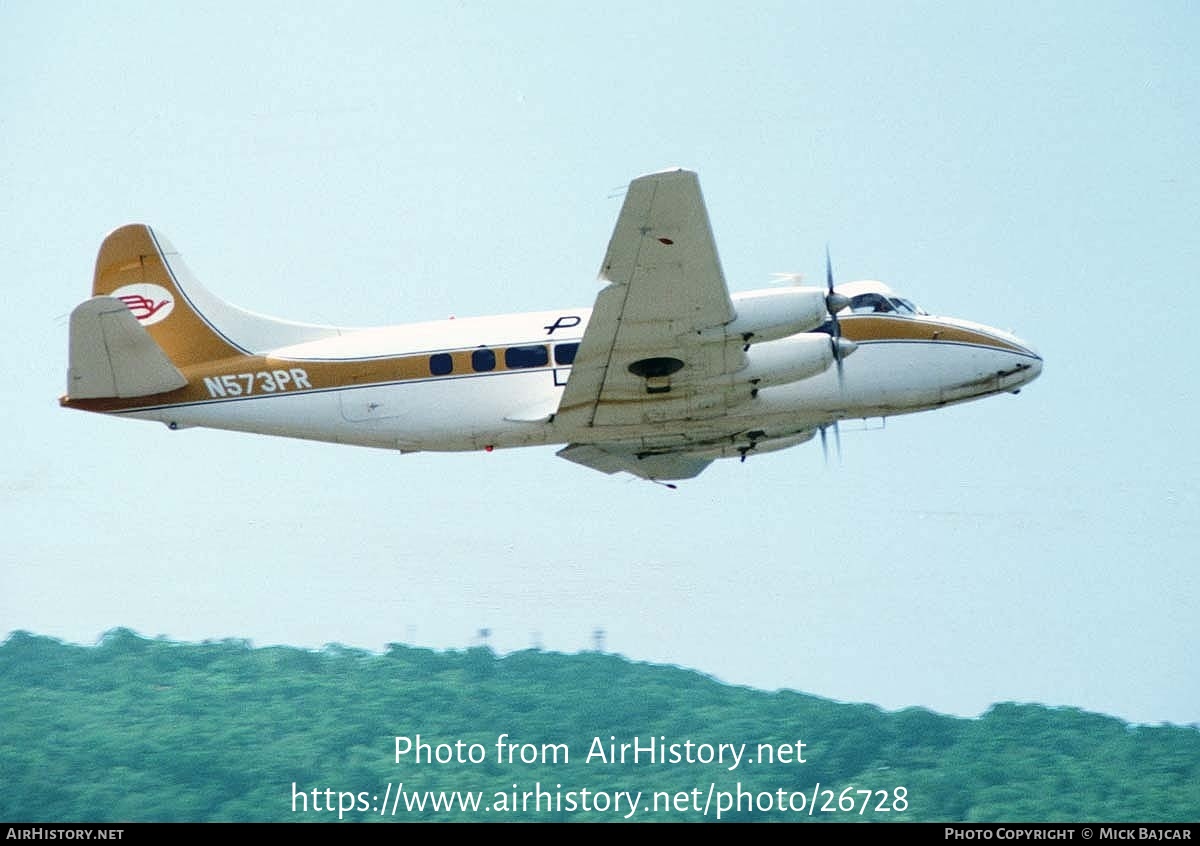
<point>835,302</point>
<point>841,347</point>
<point>837,441</point>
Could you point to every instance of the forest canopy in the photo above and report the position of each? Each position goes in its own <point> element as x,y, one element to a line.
<point>138,729</point>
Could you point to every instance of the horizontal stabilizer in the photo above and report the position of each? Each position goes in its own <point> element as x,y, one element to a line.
<point>655,467</point>
<point>111,355</point>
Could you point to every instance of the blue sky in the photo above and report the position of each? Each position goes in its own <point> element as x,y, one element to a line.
<point>1031,167</point>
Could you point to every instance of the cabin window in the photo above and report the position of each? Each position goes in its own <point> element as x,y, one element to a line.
<point>526,357</point>
<point>565,353</point>
<point>440,364</point>
<point>483,360</point>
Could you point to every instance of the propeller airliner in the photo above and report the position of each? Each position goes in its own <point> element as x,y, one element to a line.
<point>666,372</point>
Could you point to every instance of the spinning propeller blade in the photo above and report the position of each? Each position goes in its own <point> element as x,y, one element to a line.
<point>835,302</point>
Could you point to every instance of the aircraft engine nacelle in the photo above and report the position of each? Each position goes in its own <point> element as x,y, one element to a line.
<point>785,360</point>
<point>774,313</point>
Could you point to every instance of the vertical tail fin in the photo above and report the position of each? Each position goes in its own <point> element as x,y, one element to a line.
<point>139,267</point>
<point>143,271</point>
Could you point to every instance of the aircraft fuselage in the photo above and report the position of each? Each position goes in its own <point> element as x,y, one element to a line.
<point>665,373</point>
<point>475,383</point>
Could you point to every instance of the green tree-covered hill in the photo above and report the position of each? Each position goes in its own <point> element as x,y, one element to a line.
<point>136,729</point>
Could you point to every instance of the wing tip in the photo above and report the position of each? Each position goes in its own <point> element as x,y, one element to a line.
<point>668,173</point>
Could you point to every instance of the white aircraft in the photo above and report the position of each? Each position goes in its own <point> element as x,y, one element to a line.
<point>664,374</point>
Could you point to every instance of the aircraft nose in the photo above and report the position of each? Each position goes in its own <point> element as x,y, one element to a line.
<point>1035,368</point>
<point>1028,367</point>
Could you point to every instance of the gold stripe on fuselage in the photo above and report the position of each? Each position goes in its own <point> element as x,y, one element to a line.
<point>250,377</point>
<point>255,376</point>
<point>865,328</point>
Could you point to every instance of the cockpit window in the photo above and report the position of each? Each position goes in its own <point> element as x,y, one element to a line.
<point>904,306</point>
<point>873,303</point>
<point>870,303</point>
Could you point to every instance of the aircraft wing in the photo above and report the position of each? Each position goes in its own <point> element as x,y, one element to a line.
<point>645,356</point>
<point>615,460</point>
